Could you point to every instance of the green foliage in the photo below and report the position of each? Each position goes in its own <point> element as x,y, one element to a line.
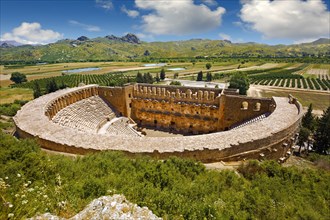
<point>157,78</point>
<point>208,77</point>
<point>18,77</point>
<point>199,76</point>
<point>109,79</point>
<point>34,182</point>
<point>162,74</point>
<point>304,134</point>
<point>145,78</point>
<point>36,90</point>
<point>51,86</point>
<point>240,81</point>
<point>322,134</point>
<point>10,109</point>
<point>175,83</point>
<point>208,66</point>
<point>308,120</point>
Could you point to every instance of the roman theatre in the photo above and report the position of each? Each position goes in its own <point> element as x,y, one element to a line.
<point>209,124</point>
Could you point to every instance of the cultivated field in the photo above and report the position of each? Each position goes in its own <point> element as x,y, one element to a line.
<point>278,79</point>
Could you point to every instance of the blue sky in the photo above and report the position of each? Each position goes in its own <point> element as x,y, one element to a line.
<point>263,21</point>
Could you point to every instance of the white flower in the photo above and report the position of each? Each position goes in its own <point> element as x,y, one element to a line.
<point>45,196</point>
<point>10,205</point>
<point>16,195</point>
<point>25,201</point>
<point>6,177</point>
<point>10,215</point>
<point>18,175</point>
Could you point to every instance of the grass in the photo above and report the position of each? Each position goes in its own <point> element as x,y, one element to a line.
<point>9,95</point>
<point>320,101</point>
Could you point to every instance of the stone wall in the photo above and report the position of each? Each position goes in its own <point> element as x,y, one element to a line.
<point>118,97</point>
<point>237,109</point>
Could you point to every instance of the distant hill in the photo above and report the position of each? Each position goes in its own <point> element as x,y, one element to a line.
<point>322,41</point>
<point>10,43</point>
<point>131,47</point>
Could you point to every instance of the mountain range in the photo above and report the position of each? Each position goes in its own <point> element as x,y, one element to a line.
<point>131,47</point>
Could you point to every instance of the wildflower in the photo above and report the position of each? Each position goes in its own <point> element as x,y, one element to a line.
<point>18,175</point>
<point>24,202</point>
<point>6,177</point>
<point>45,196</point>
<point>16,195</point>
<point>30,190</point>
<point>29,182</point>
<point>10,205</point>
<point>10,215</point>
<point>23,196</point>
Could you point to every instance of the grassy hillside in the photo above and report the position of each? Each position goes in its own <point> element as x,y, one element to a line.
<point>110,49</point>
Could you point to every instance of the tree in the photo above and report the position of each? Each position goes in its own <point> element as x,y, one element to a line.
<point>36,90</point>
<point>175,83</point>
<point>322,134</point>
<point>200,76</point>
<point>157,78</point>
<point>139,78</point>
<point>308,120</point>
<point>209,77</point>
<point>51,86</point>
<point>147,78</point>
<point>303,137</point>
<point>240,81</point>
<point>18,77</point>
<point>162,74</point>
<point>208,66</point>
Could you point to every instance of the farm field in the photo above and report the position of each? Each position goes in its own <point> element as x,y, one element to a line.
<point>129,68</point>
<point>9,95</point>
<point>320,100</point>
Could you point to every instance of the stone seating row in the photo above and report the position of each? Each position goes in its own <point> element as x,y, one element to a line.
<point>256,119</point>
<point>122,127</point>
<point>85,115</point>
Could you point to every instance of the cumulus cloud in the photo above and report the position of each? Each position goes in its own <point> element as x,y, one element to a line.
<point>224,36</point>
<point>87,27</point>
<point>105,4</point>
<point>147,37</point>
<point>294,19</point>
<point>178,17</point>
<point>31,33</point>
<point>130,13</point>
<point>210,2</point>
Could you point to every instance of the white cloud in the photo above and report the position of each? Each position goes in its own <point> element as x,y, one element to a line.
<point>294,19</point>
<point>130,13</point>
<point>210,2</point>
<point>224,36</point>
<point>31,33</point>
<point>148,37</point>
<point>178,17</point>
<point>105,4</point>
<point>87,27</point>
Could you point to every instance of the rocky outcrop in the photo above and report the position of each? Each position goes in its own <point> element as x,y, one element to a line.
<point>6,45</point>
<point>83,38</point>
<point>128,38</point>
<point>107,207</point>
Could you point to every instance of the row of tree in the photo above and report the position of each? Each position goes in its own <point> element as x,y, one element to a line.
<point>315,131</point>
